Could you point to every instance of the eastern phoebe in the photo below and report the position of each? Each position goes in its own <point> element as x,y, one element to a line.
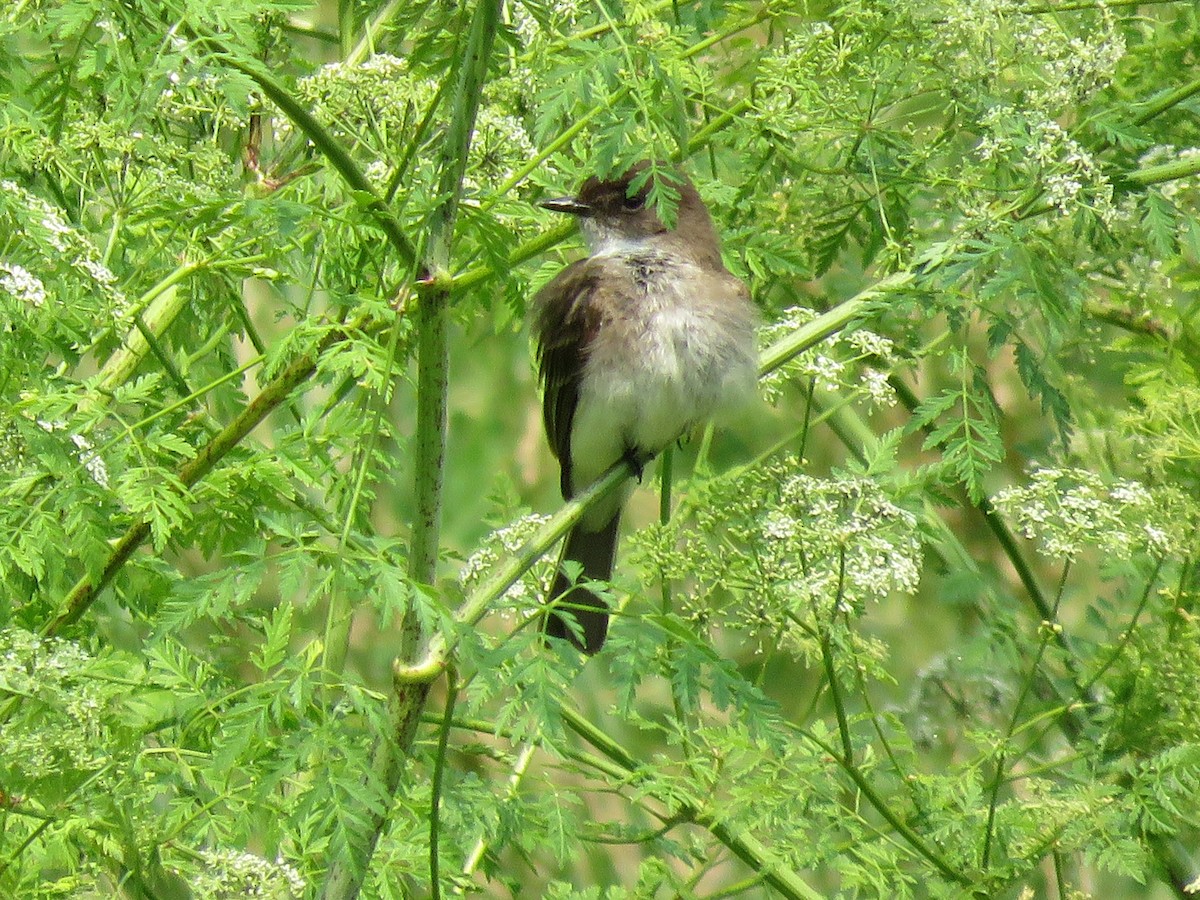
<point>636,344</point>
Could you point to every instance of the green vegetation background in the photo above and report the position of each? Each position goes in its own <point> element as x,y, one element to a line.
<point>922,623</point>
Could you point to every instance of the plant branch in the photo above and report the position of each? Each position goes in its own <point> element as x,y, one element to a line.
<point>1157,107</point>
<point>347,872</point>
<point>329,147</point>
<point>812,333</point>
<point>85,591</point>
<point>744,845</point>
<point>437,651</point>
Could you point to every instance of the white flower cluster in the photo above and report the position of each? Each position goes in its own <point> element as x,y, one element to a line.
<point>55,227</point>
<point>91,460</point>
<point>1070,510</point>
<point>778,553</point>
<point>28,660</point>
<point>67,244</point>
<point>564,16</point>
<point>868,343</point>
<point>499,145</point>
<point>1069,174</point>
<point>12,448</point>
<point>1059,71</point>
<point>985,38</point>
<point>841,539</point>
<point>824,370</point>
<point>100,273</point>
<point>235,873</point>
<point>841,363</point>
<point>378,94</point>
<point>69,735</point>
<point>22,285</point>
<point>1082,67</point>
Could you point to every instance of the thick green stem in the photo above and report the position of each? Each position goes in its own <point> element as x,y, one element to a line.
<point>162,304</point>
<point>432,377</point>
<point>408,700</point>
<point>345,15</point>
<point>1168,100</point>
<point>432,308</point>
<point>1172,171</point>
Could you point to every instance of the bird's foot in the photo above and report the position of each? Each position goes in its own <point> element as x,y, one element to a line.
<point>637,462</point>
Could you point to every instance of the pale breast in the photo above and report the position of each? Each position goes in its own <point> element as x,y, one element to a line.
<point>679,350</point>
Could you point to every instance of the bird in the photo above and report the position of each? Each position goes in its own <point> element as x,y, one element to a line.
<point>636,344</point>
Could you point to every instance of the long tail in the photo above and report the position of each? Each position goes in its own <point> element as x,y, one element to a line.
<point>595,551</point>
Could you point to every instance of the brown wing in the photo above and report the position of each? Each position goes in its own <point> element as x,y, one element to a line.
<point>565,322</point>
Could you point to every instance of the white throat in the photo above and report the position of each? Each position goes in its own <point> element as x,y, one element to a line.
<point>605,241</point>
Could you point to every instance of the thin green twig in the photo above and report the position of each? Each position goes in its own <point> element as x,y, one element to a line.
<point>743,844</point>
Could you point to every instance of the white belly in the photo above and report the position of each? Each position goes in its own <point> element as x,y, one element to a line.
<point>675,363</point>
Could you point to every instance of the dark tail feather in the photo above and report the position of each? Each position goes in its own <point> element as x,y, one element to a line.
<point>595,552</point>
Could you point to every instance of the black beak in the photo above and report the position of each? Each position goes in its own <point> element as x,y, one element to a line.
<point>568,205</point>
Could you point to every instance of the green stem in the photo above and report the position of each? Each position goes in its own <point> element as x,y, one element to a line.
<point>432,379</point>
<point>330,148</point>
<point>520,767</point>
<point>472,278</point>
<point>85,591</point>
<point>744,845</point>
<point>345,16</point>
<point>433,343</point>
<point>366,44</point>
<point>835,691</point>
<point>1078,5</point>
<point>435,789</point>
<point>1170,99</point>
<point>296,144</point>
<point>704,135</point>
<point>149,335</point>
<point>161,305</point>
<point>812,333</point>
<point>587,34</point>
<point>666,472</point>
<point>519,771</point>
<point>1085,691</point>
<point>475,607</point>
<point>127,431</point>
<point>766,12</point>
<point>914,840</point>
<point>408,699</point>
<point>1172,171</point>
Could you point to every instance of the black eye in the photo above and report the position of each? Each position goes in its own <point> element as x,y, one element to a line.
<point>637,201</point>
